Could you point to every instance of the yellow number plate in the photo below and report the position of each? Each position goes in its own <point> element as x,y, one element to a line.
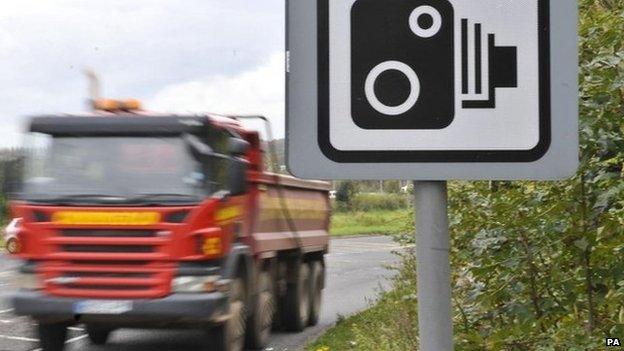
<point>105,218</point>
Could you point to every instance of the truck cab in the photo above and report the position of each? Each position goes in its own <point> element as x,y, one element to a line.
<point>164,221</point>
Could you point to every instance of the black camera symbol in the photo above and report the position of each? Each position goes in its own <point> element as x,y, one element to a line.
<point>403,64</point>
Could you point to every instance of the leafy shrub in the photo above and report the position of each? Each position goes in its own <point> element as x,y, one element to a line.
<point>369,202</point>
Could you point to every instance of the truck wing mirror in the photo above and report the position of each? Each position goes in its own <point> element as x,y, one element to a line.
<point>237,176</point>
<point>198,149</point>
<point>238,147</point>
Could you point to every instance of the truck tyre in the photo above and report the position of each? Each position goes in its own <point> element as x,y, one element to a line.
<point>317,277</point>
<point>52,336</point>
<point>230,336</point>
<point>297,308</point>
<point>261,321</point>
<point>98,336</point>
<point>12,246</point>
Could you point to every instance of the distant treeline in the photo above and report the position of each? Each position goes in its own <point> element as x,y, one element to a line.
<point>10,167</point>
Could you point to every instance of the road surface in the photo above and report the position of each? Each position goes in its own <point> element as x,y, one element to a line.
<point>356,267</point>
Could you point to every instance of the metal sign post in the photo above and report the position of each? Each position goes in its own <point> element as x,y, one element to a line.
<point>435,320</point>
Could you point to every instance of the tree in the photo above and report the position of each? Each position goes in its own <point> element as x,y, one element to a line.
<point>346,193</point>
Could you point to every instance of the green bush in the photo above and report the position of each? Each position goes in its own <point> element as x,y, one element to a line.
<point>370,202</point>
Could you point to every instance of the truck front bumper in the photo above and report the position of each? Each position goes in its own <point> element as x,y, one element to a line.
<point>175,309</point>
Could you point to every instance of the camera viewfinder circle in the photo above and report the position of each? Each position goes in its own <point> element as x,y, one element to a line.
<point>414,21</point>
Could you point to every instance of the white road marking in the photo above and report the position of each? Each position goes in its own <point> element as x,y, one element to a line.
<point>364,245</point>
<point>12,320</point>
<point>70,340</point>
<point>5,311</point>
<point>6,273</point>
<point>76,339</point>
<point>18,338</point>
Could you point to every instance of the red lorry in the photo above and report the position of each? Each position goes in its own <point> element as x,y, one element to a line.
<point>130,219</point>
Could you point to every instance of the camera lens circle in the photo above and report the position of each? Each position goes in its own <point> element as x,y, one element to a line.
<point>425,21</point>
<point>374,101</point>
<point>432,15</point>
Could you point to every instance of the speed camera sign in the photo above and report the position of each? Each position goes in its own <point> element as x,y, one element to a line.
<point>432,89</point>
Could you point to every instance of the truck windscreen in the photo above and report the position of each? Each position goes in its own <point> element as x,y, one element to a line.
<point>123,169</point>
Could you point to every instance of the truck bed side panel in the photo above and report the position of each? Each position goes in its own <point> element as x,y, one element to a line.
<point>307,206</point>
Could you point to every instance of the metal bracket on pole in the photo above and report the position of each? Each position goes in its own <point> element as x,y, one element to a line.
<point>435,321</point>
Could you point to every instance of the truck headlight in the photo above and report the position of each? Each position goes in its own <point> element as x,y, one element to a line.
<point>28,281</point>
<point>195,284</point>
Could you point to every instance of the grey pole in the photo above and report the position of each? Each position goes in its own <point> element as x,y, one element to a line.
<point>435,321</point>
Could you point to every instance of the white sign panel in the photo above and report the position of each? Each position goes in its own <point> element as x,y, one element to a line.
<point>429,89</point>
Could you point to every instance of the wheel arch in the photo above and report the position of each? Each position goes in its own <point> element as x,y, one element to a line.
<point>239,262</point>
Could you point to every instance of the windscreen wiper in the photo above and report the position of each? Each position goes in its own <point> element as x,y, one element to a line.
<point>156,198</point>
<point>96,198</point>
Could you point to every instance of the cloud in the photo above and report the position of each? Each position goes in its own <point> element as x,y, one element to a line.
<point>256,91</point>
<point>138,48</point>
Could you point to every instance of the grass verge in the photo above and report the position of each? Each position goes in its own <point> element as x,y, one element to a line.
<point>380,222</point>
<point>388,325</point>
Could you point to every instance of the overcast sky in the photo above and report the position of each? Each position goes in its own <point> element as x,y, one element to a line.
<point>176,56</point>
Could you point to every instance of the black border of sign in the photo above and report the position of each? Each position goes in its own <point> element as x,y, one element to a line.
<point>508,156</point>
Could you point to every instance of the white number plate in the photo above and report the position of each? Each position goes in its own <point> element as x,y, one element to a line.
<point>102,307</point>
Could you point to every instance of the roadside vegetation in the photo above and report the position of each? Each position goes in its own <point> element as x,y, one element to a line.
<point>379,222</point>
<point>388,325</point>
<point>536,265</point>
<point>360,213</point>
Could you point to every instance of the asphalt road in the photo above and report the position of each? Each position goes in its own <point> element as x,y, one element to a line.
<point>357,269</point>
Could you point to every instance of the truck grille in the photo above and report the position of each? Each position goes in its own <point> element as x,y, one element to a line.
<point>102,233</point>
<point>106,248</point>
<point>108,264</point>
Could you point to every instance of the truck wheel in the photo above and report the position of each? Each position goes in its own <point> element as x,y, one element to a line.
<point>52,336</point>
<point>98,336</point>
<point>297,309</point>
<point>317,278</point>
<point>261,321</point>
<point>230,336</point>
<point>12,246</point>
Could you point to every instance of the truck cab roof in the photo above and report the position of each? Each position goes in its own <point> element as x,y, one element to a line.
<point>128,124</point>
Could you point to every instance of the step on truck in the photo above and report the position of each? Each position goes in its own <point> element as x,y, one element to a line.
<point>135,220</point>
